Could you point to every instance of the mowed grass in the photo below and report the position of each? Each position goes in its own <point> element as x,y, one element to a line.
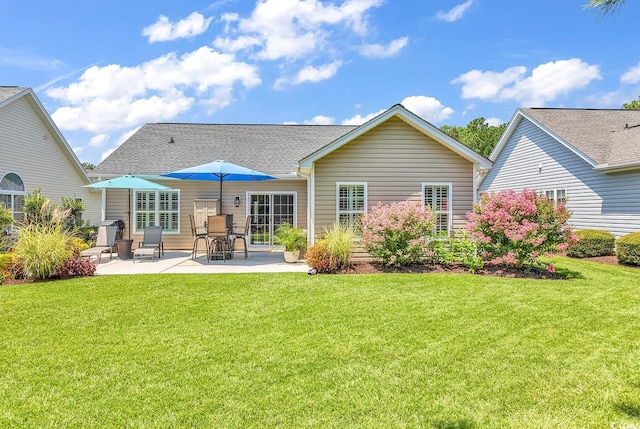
<point>350,351</point>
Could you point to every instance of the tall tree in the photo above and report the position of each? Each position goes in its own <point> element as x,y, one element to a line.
<point>634,105</point>
<point>477,134</point>
<point>88,166</point>
<point>605,6</point>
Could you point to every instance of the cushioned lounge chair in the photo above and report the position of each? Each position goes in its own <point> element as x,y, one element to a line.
<point>105,242</point>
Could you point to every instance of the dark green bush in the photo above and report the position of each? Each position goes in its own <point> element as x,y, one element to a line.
<point>592,242</point>
<point>628,249</point>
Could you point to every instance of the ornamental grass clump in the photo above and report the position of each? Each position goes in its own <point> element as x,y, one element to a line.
<point>517,228</point>
<point>339,240</point>
<point>396,232</point>
<point>43,246</point>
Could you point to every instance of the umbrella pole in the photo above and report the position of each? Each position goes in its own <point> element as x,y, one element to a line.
<point>221,195</point>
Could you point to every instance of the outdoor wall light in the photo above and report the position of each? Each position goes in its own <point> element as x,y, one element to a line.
<point>236,201</point>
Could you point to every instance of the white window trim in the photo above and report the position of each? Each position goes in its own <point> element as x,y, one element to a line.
<point>449,201</point>
<point>247,198</point>
<point>554,192</point>
<point>14,193</point>
<point>366,198</point>
<point>157,211</point>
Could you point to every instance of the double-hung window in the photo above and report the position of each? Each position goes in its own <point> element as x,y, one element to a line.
<point>437,196</point>
<point>158,208</point>
<point>557,195</point>
<point>351,202</point>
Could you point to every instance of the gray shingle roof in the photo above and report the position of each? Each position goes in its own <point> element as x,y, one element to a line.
<point>6,92</point>
<point>609,137</point>
<point>272,149</point>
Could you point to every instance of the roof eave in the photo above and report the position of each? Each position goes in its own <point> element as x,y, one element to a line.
<point>616,168</point>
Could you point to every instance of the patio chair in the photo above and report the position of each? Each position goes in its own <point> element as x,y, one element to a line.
<point>152,238</point>
<point>105,242</point>
<point>220,243</point>
<point>197,236</point>
<point>242,236</point>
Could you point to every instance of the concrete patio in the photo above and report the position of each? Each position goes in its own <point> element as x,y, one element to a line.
<point>180,262</point>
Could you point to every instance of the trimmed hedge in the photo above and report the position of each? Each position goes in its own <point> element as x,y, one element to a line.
<point>628,249</point>
<point>592,242</point>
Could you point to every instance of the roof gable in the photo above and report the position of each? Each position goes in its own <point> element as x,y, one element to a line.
<point>608,139</point>
<point>9,94</point>
<point>408,117</point>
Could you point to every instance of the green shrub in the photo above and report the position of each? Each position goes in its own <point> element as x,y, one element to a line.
<point>628,249</point>
<point>592,242</point>
<point>42,248</point>
<point>5,218</point>
<point>459,249</point>
<point>318,258</point>
<point>339,240</point>
<point>5,260</point>
<point>290,237</point>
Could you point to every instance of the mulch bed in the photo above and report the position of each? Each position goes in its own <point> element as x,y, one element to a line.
<point>489,270</point>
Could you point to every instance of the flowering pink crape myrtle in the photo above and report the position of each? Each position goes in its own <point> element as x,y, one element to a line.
<point>516,228</point>
<point>396,232</point>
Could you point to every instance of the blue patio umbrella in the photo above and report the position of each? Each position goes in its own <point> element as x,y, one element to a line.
<point>129,182</point>
<point>219,171</point>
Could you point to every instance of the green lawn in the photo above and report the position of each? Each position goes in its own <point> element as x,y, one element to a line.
<point>297,351</point>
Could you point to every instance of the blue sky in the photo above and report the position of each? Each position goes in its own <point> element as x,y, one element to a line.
<point>103,69</point>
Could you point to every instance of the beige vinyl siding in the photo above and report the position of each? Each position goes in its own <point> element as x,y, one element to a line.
<point>394,159</point>
<point>32,149</point>
<point>116,206</point>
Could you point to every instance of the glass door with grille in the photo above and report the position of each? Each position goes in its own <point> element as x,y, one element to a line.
<point>268,210</point>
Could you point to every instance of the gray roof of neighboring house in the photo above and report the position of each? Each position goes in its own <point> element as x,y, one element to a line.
<point>272,149</point>
<point>6,92</point>
<point>609,137</point>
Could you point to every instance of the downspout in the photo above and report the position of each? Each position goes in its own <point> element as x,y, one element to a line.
<point>310,203</point>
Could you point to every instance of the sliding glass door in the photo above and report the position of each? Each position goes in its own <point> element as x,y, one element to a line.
<point>268,210</point>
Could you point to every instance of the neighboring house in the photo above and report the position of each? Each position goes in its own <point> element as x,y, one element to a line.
<point>590,158</point>
<point>34,154</point>
<point>325,173</point>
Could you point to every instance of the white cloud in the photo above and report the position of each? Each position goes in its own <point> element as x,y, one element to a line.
<point>382,51</point>
<point>290,29</point>
<point>320,120</point>
<point>28,60</point>
<point>163,30</point>
<point>428,108</point>
<point>546,82</point>
<point>317,74</point>
<point>115,97</point>
<point>456,13</point>
<point>309,74</point>
<point>494,122</point>
<point>631,76</point>
<point>98,140</point>
<point>359,119</point>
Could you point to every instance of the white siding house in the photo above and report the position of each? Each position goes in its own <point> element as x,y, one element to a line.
<point>34,154</point>
<point>590,157</point>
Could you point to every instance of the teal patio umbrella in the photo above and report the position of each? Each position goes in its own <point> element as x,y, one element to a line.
<point>129,182</point>
<point>219,171</point>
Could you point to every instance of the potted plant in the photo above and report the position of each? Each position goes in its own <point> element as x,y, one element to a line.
<point>293,239</point>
